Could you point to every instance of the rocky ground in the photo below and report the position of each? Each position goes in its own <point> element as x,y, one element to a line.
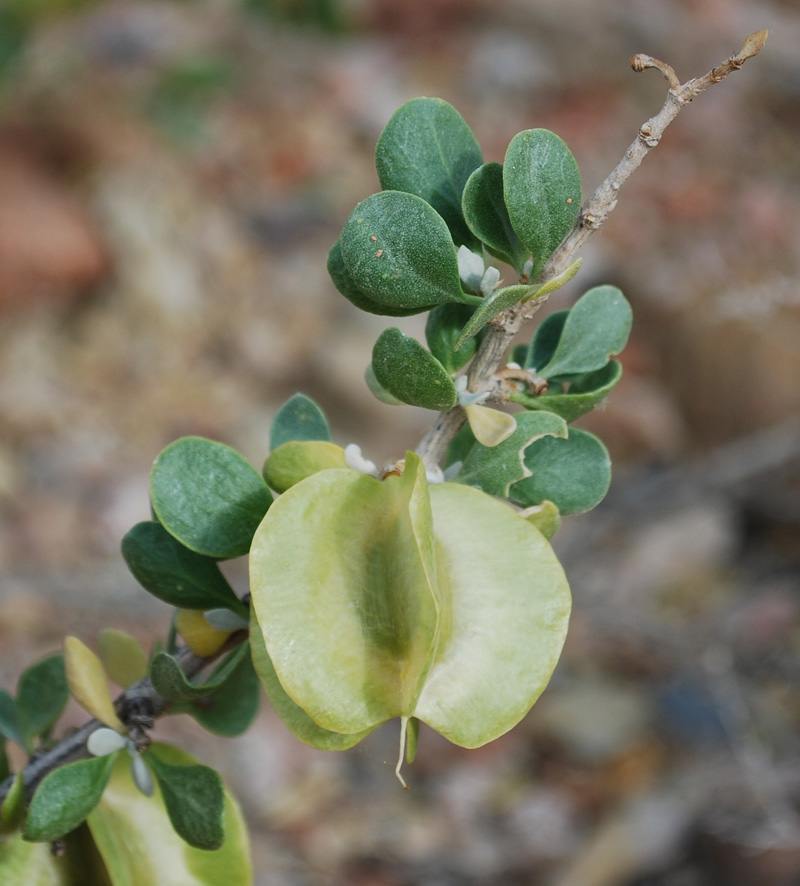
<point>171,178</point>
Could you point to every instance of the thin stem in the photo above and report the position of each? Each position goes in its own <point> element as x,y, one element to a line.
<point>593,214</point>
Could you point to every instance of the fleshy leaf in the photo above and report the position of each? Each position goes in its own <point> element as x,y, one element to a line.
<point>8,718</point>
<point>170,571</point>
<point>342,572</point>
<point>294,461</point>
<point>294,718</point>
<point>122,656</point>
<point>542,190</point>
<point>12,810</point>
<point>88,683</point>
<point>490,426</point>
<point>443,328</point>
<point>545,341</point>
<point>379,392</point>
<point>545,517</point>
<point>486,214</point>
<point>597,326</point>
<point>198,634</point>
<point>136,840</point>
<point>500,300</point>
<point>574,473</point>
<point>41,695</point>
<point>411,373</point>
<point>194,799</point>
<point>65,797</point>
<point>300,418</point>
<point>208,497</point>
<point>428,149</point>
<point>398,252</point>
<point>584,393</point>
<point>495,469</point>
<point>508,605</point>
<point>343,281</point>
<point>233,706</point>
<point>170,681</point>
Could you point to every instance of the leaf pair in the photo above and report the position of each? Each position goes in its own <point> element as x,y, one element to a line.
<point>377,600</point>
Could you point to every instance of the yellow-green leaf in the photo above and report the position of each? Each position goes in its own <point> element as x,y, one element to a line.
<point>198,634</point>
<point>122,656</point>
<point>88,683</point>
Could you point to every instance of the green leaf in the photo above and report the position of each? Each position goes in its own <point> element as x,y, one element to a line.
<point>208,497</point>
<point>584,393</point>
<point>500,300</point>
<point>194,799</point>
<point>427,149</point>
<point>596,327</point>
<point>542,189</point>
<point>494,469</point>
<point>294,718</point>
<point>342,580</point>
<point>443,328</point>
<point>12,810</point>
<point>485,212</point>
<point>411,373</point>
<point>296,460</point>
<point>42,694</point>
<point>8,718</point>
<point>299,419</point>
<point>545,341</point>
<point>343,281</point>
<point>545,517</point>
<point>507,603</point>
<point>140,848</point>
<point>460,448</point>
<point>65,797</point>
<point>574,473</point>
<point>232,707</point>
<point>379,392</point>
<point>398,252</point>
<point>173,573</point>
<point>122,656</point>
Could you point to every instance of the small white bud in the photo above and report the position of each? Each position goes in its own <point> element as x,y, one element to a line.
<point>489,281</point>
<point>356,461</point>
<point>434,474</point>
<point>105,741</point>
<point>470,268</point>
<point>141,775</point>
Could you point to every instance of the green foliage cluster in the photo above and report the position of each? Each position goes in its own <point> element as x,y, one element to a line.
<point>374,594</point>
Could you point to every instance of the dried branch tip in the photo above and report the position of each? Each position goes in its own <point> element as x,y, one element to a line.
<point>751,46</point>
<point>640,62</point>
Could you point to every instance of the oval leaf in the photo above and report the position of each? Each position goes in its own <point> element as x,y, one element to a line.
<point>233,706</point>
<point>490,426</point>
<point>574,473</point>
<point>411,373</point>
<point>399,252</point>
<point>41,695</point>
<point>194,799</point>
<point>88,683</point>
<point>123,658</point>
<point>428,149</point>
<point>377,391</point>
<point>542,190</point>
<point>136,840</point>
<point>170,571</point>
<point>198,634</point>
<point>584,393</point>
<point>508,606</point>
<point>500,300</point>
<point>486,214</point>
<point>65,797</point>
<point>596,327</point>
<point>298,419</point>
<point>443,329</point>
<point>294,461</point>
<point>494,469</point>
<point>208,497</point>
<point>341,577</point>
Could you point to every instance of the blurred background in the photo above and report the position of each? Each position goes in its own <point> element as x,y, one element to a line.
<point>172,175</point>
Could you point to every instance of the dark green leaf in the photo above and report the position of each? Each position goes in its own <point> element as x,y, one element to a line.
<point>42,694</point>
<point>584,393</point>
<point>490,307</point>
<point>399,252</point>
<point>170,681</point>
<point>411,373</point>
<point>574,473</point>
<point>597,326</point>
<point>444,326</point>
<point>427,149</point>
<point>542,189</point>
<point>194,798</point>
<point>344,282</point>
<point>8,718</point>
<point>233,707</point>
<point>173,573</point>
<point>66,796</point>
<point>486,214</point>
<point>494,469</point>
<point>299,419</point>
<point>208,497</point>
